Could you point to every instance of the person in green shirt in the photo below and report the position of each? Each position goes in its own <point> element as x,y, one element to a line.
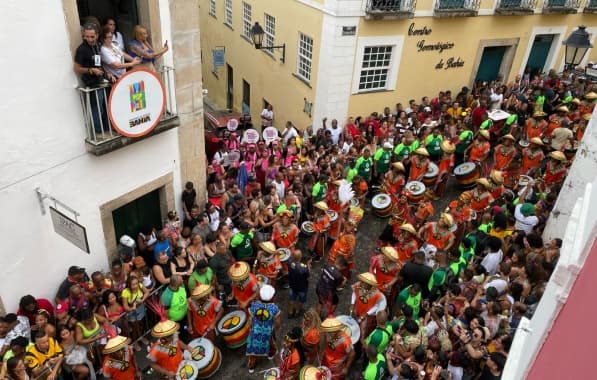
<point>411,296</point>
<point>433,144</point>
<point>320,188</point>
<point>202,274</point>
<point>465,138</point>
<point>364,165</point>
<point>352,170</point>
<point>381,336</point>
<point>382,159</point>
<point>242,243</point>
<point>376,364</point>
<point>487,123</point>
<point>174,299</point>
<point>408,145</point>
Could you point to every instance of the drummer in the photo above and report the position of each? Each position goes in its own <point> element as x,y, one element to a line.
<point>445,168</point>
<point>532,157</point>
<point>385,267</point>
<point>311,336</point>
<point>496,180</point>
<point>481,196</point>
<point>245,287</point>
<point>407,242</point>
<point>478,151</point>
<point>555,170</point>
<point>424,210</point>
<point>321,223</point>
<point>338,353</point>
<point>394,180</point>
<point>504,153</point>
<point>401,213</point>
<point>119,360</point>
<point>535,126</point>
<point>588,103</point>
<point>285,233</point>
<point>268,262</point>
<point>289,361</point>
<point>439,233</point>
<point>366,301</point>
<point>419,163</point>
<point>205,311</point>
<point>557,120</point>
<point>334,203</point>
<point>165,354</point>
<point>345,246</point>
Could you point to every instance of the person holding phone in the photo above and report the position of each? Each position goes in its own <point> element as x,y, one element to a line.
<point>141,47</point>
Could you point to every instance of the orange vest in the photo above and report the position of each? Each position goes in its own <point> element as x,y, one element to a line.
<point>166,356</point>
<point>498,191</point>
<point>531,159</point>
<point>535,128</point>
<point>424,210</point>
<point>502,157</point>
<point>321,223</point>
<point>462,215</point>
<point>479,202</point>
<point>269,266</point>
<point>406,250</point>
<point>445,165</point>
<point>479,152</point>
<point>433,236</point>
<point>554,175</point>
<point>336,353</point>
<point>418,168</point>
<point>385,271</point>
<point>242,293</point>
<point>203,315</point>
<point>120,369</point>
<point>364,303</point>
<point>285,237</point>
<point>344,246</point>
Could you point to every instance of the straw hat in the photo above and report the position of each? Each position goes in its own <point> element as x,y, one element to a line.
<point>447,146</point>
<point>239,271</point>
<point>591,96</point>
<point>484,182</point>
<point>557,155</point>
<point>586,116</point>
<point>390,253</point>
<point>497,177</point>
<point>321,205</point>
<point>398,165</point>
<point>447,219</point>
<point>576,101</point>
<point>563,109</point>
<point>536,141</point>
<point>408,228</point>
<point>287,213</point>
<point>465,197</point>
<point>485,134</point>
<point>164,328</point>
<point>115,344</point>
<point>201,291</point>
<point>367,278</point>
<point>539,114</point>
<point>509,137</point>
<point>268,246</point>
<point>331,324</point>
<point>337,182</point>
<point>422,152</point>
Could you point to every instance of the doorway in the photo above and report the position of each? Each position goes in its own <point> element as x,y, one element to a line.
<point>125,12</point>
<point>229,87</point>
<point>539,53</point>
<point>144,211</point>
<point>491,61</point>
<point>246,98</point>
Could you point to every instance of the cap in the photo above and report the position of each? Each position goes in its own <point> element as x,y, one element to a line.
<point>398,165</point>
<point>267,292</point>
<point>331,324</point>
<point>497,177</point>
<point>74,270</point>
<point>509,137</point>
<point>408,228</point>
<point>390,253</point>
<point>367,278</point>
<point>115,344</point>
<point>139,262</point>
<point>527,209</point>
<point>164,328</point>
<point>61,307</point>
<point>485,134</point>
<point>321,205</point>
<point>447,146</point>
<point>387,145</point>
<point>268,246</point>
<point>422,152</point>
<point>536,141</point>
<point>201,291</point>
<point>238,271</point>
<point>557,155</point>
<point>484,182</point>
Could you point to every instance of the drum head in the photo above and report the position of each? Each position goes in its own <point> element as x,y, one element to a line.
<point>202,351</point>
<point>262,280</point>
<point>523,143</point>
<point>187,370</point>
<point>354,202</point>
<point>381,201</point>
<point>352,327</point>
<point>232,321</point>
<point>333,215</point>
<point>251,136</point>
<point>415,187</point>
<point>307,227</point>
<point>271,374</point>
<point>464,168</point>
<point>432,170</point>
<point>284,253</point>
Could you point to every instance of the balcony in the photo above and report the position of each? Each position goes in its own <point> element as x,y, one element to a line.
<point>591,6</point>
<point>561,6</point>
<point>101,137</point>
<point>515,7</point>
<point>390,9</point>
<point>456,8</point>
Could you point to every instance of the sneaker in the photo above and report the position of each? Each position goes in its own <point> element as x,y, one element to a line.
<point>286,286</point>
<point>271,357</point>
<point>251,370</point>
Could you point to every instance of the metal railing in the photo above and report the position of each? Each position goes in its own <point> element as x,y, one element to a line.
<point>94,101</point>
<point>564,4</point>
<point>391,6</point>
<point>591,4</point>
<point>469,5</point>
<point>517,4</point>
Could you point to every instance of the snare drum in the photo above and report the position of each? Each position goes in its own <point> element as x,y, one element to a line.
<point>352,328</point>
<point>271,374</point>
<point>307,228</point>
<point>262,280</point>
<point>333,215</point>
<point>431,176</point>
<point>206,356</point>
<point>234,328</point>
<point>415,191</point>
<point>310,372</point>
<point>466,174</point>
<point>382,205</point>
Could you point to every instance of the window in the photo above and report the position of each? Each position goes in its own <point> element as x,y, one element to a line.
<point>305,57</point>
<point>270,32</point>
<point>375,68</point>
<point>212,8</point>
<point>247,20</point>
<point>228,20</point>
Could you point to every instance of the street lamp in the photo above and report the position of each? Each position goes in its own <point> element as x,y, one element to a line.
<point>577,46</point>
<point>257,33</point>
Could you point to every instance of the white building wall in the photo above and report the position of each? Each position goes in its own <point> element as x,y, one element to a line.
<point>42,131</point>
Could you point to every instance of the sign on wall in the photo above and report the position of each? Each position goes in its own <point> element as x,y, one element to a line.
<point>69,229</point>
<point>218,56</point>
<point>136,103</point>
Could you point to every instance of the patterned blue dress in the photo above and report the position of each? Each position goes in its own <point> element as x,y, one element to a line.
<point>262,327</point>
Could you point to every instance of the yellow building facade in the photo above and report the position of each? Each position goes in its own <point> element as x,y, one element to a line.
<point>352,57</point>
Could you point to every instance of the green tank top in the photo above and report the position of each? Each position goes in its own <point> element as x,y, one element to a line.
<point>178,305</point>
<point>88,333</point>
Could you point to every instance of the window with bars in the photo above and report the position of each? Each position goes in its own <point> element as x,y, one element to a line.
<point>375,68</point>
<point>212,8</point>
<point>305,57</point>
<point>247,20</point>
<point>228,19</point>
<point>270,32</point>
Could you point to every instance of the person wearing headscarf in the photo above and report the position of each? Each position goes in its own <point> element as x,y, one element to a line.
<point>264,319</point>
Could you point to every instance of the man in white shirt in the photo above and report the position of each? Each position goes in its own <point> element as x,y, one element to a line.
<point>334,130</point>
<point>496,99</point>
<point>289,132</point>
<point>267,117</point>
<point>525,221</point>
<point>493,259</point>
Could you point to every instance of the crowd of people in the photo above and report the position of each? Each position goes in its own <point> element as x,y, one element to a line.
<point>444,290</point>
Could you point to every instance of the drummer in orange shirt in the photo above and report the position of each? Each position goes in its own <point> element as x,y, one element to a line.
<point>285,233</point>
<point>424,210</point>
<point>395,180</point>
<point>385,267</point>
<point>445,167</point>
<point>205,311</point>
<point>338,353</point>
<point>419,163</point>
<point>407,242</point>
<point>504,153</point>
<point>334,203</point>
<point>321,224</point>
<point>532,157</point>
<point>481,197</point>
<point>119,360</point>
<point>535,126</point>
<point>496,180</point>
<point>557,120</point>
<point>478,151</point>
<point>165,354</point>
<point>245,287</point>
<point>439,233</point>
<point>461,212</point>
<point>268,262</point>
<point>344,246</point>
<point>366,301</point>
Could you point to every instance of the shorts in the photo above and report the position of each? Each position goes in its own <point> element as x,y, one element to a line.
<point>330,298</point>
<point>297,296</point>
<point>137,315</point>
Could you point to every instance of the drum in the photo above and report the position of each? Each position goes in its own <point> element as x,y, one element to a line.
<point>310,372</point>
<point>352,328</point>
<point>333,215</point>
<point>207,357</point>
<point>466,174</point>
<point>354,202</point>
<point>271,374</point>
<point>262,280</point>
<point>431,176</point>
<point>382,205</point>
<point>415,191</point>
<point>234,329</point>
<point>307,228</point>
<point>187,370</point>
<point>284,254</point>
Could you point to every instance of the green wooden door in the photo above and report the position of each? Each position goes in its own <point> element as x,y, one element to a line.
<point>539,53</point>
<point>489,67</point>
<point>144,211</point>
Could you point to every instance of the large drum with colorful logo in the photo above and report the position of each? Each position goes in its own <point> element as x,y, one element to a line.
<point>431,176</point>
<point>234,328</point>
<point>271,374</point>
<point>207,357</point>
<point>382,205</point>
<point>415,191</point>
<point>466,174</point>
<point>307,228</point>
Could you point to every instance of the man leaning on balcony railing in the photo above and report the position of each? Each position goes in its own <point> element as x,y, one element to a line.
<point>88,64</point>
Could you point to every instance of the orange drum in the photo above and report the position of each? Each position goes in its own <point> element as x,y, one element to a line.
<point>431,176</point>
<point>415,191</point>
<point>466,174</point>
<point>382,205</point>
<point>285,255</point>
<point>234,328</point>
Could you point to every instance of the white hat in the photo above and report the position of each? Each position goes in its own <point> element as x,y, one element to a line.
<point>266,293</point>
<point>388,145</point>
